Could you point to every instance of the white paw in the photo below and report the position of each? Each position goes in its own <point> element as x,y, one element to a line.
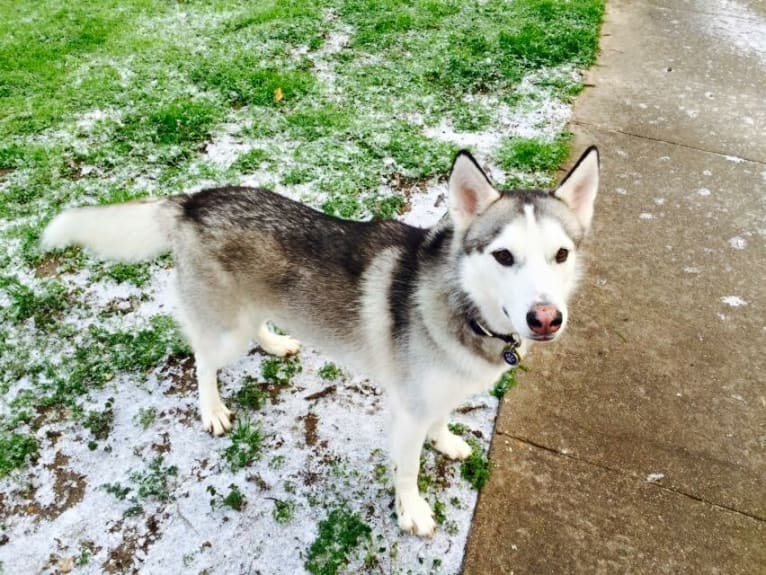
<point>215,417</point>
<point>452,446</point>
<point>280,345</point>
<point>415,515</point>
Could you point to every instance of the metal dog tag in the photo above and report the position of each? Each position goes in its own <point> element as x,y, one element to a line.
<point>511,355</point>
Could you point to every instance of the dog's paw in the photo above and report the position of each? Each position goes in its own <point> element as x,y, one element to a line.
<point>452,446</point>
<point>415,515</point>
<point>216,418</point>
<point>280,345</point>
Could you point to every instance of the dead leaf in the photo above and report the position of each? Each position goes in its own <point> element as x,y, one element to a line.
<point>278,97</point>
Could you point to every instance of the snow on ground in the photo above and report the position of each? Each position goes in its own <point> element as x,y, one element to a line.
<point>324,441</point>
<point>318,455</point>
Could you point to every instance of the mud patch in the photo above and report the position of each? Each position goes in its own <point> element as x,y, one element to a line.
<point>179,370</point>
<point>320,394</point>
<point>68,487</point>
<point>310,422</point>
<point>122,559</point>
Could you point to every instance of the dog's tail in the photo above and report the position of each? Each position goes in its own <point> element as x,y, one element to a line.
<point>129,232</point>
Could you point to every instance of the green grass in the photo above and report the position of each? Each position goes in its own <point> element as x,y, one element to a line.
<point>234,499</point>
<point>44,305</point>
<point>251,395</point>
<point>284,510</point>
<point>280,370</point>
<point>506,382</point>
<point>340,533</point>
<point>146,417</point>
<point>100,422</point>
<point>245,447</point>
<point>475,469</point>
<point>16,450</point>
<point>154,483</point>
<point>330,372</point>
<point>533,154</point>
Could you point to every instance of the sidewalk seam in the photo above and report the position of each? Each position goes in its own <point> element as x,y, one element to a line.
<point>632,476</point>
<point>724,155</point>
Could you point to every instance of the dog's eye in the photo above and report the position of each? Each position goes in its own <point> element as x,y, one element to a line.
<point>503,257</point>
<point>562,255</point>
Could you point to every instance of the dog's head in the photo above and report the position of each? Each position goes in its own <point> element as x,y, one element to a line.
<point>518,259</point>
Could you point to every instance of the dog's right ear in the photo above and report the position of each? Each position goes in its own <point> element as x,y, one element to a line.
<point>470,192</point>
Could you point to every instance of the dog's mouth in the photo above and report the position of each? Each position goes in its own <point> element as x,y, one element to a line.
<point>543,338</point>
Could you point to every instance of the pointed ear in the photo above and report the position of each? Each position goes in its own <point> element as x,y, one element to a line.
<point>470,192</point>
<point>579,188</point>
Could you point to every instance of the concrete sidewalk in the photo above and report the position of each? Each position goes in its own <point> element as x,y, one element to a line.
<point>638,443</point>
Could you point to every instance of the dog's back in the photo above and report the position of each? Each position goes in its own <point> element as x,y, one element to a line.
<point>283,254</point>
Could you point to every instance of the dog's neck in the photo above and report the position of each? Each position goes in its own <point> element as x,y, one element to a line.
<point>479,329</point>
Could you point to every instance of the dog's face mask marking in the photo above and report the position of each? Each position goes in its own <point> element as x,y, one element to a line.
<point>520,262</point>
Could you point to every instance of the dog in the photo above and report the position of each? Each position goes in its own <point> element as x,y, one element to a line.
<point>435,315</point>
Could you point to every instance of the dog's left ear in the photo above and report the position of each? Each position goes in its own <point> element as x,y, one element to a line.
<point>579,188</point>
<point>470,192</point>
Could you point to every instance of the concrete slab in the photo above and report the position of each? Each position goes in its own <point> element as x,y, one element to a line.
<point>638,442</point>
<point>554,514</point>
<point>690,72</point>
<point>663,369</point>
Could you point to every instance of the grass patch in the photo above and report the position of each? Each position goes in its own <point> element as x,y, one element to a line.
<point>475,469</point>
<point>340,533</point>
<point>16,450</point>
<point>251,160</point>
<point>139,350</point>
<point>246,442</point>
<point>154,483</point>
<point>44,305</point>
<point>234,499</point>
<point>280,370</point>
<point>506,382</point>
<point>533,154</point>
<point>251,395</point>
<point>146,417</point>
<point>100,423</point>
<point>284,510</point>
<point>137,274</point>
<point>242,80</point>
<point>330,372</point>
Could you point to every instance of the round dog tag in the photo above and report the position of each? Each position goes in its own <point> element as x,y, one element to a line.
<point>511,356</point>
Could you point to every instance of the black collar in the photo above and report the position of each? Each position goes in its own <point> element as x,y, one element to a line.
<point>478,329</point>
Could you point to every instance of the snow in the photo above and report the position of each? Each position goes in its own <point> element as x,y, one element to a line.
<point>738,243</point>
<point>187,533</point>
<point>733,301</point>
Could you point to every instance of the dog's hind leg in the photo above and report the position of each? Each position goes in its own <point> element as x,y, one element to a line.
<point>216,417</point>
<point>214,347</point>
<point>447,442</point>
<point>276,344</point>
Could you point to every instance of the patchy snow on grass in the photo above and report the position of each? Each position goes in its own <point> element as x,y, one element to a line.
<point>126,479</point>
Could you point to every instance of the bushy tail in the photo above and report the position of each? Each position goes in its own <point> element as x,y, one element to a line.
<point>128,232</point>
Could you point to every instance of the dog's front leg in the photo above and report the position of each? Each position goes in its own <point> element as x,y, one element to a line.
<point>407,437</point>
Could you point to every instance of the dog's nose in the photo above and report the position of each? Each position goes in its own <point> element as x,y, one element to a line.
<point>544,319</point>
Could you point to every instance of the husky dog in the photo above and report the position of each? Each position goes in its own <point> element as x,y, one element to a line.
<point>435,315</point>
